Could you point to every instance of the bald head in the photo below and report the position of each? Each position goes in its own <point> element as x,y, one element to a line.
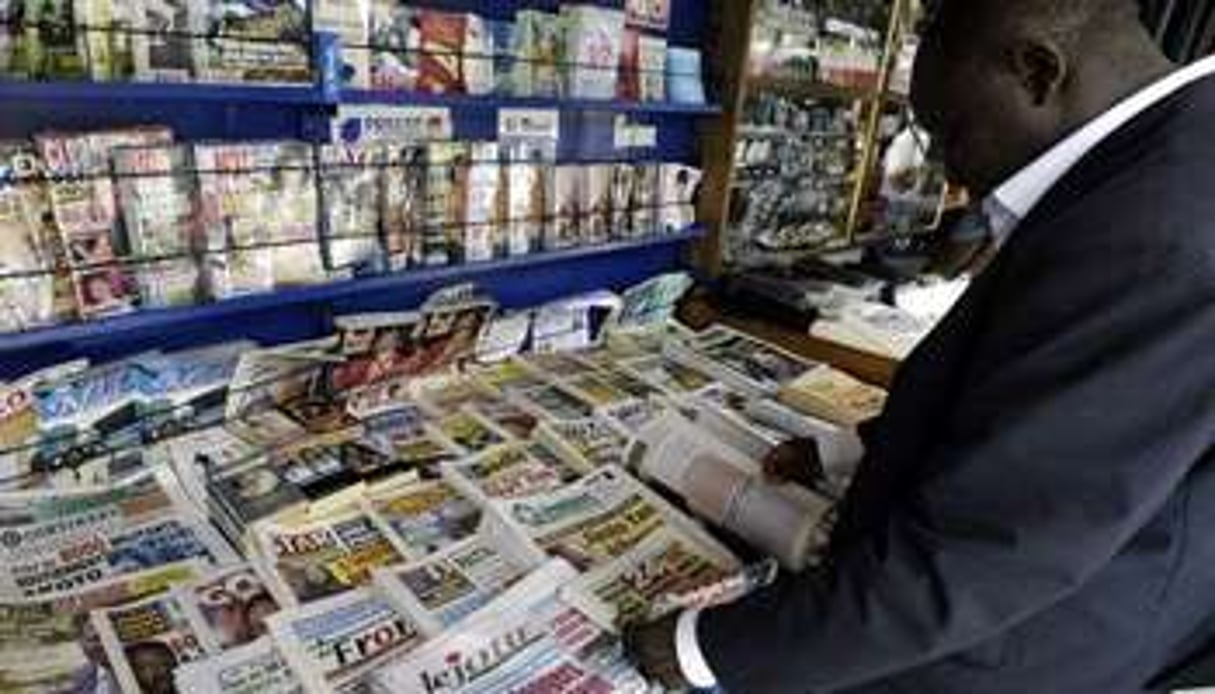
<point>999,81</point>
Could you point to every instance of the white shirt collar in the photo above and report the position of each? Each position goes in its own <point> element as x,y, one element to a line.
<point>1017,197</point>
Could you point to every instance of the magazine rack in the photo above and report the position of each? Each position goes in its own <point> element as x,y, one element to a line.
<point>244,112</point>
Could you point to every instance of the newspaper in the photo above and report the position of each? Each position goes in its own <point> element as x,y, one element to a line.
<point>594,441</point>
<point>744,362</point>
<point>51,646</point>
<point>314,560</point>
<point>425,517</point>
<point>446,587</point>
<point>597,519</point>
<point>209,451</point>
<point>233,605</point>
<point>255,668</point>
<point>60,543</point>
<point>669,375</point>
<point>636,586</point>
<point>528,640</point>
<point>509,471</point>
<point>145,641</point>
<point>335,643</point>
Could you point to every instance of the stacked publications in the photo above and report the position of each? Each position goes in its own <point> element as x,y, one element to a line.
<point>101,223</point>
<point>583,51</point>
<point>380,511</point>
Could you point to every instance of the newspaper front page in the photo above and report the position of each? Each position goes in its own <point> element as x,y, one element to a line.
<point>254,668</point>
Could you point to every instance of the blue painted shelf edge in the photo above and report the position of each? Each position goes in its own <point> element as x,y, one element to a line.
<point>164,319</point>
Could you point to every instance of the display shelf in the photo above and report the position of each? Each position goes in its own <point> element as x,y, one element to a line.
<point>809,88</point>
<point>412,98</point>
<point>530,280</point>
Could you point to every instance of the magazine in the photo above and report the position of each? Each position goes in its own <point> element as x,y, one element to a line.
<point>450,333</point>
<point>651,305</point>
<point>644,205</point>
<point>636,585</point>
<point>242,497</point>
<point>350,190</point>
<point>377,347</point>
<point>164,48</point>
<point>506,336</point>
<point>446,198</point>
<point>197,455</point>
<point>350,20</point>
<point>233,186</point>
<point>254,668</point>
<point>593,38</point>
<point>484,210</point>
<point>447,587</point>
<point>597,204</point>
<point>441,70</point>
<point>313,560</point>
<point>424,518</point>
<point>566,229</point>
<point>156,194</point>
<point>403,204</point>
<point>679,186</point>
<point>145,641</point>
<point>477,53</point>
<point>51,51</point>
<point>256,42</point>
<point>396,37</point>
<point>233,605</point>
<point>334,644</point>
<point>652,57</point>
<point>510,471</point>
<point>537,53</point>
<point>628,84</point>
<point>26,300</point>
<point>51,645</point>
<point>530,195</point>
<point>528,639</point>
<point>598,518</point>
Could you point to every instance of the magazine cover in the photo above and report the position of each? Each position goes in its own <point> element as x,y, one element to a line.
<point>234,186</point>
<point>241,497</point>
<point>597,204</point>
<point>317,465</point>
<point>255,668</point>
<point>484,210</point>
<point>377,348</point>
<point>651,14</point>
<point>278,55</point>
<point>146,641</point>
<point>446,197</point>
<point>27,290</point>
<point>403,204</point>
<point>628,84</point>
<point>538,47</point>
<point>679,186</point>
<point>350,191</point>
<point>396,37</point>
<point>651,305</point>
<point>566,229</point>
<point>644,205</point>
<point>156,195</point>
<point>652,57</point>
<point>294,216</point>
<point>593,37</point>
<point>424,518</point>
<point>233,604</point>
<point>211,451</point>
<point>53,50</point>
<point>447,587</point>
<point>350,20</point>
<point>502,43</point>
<point>50,645</point>
<point>636,585</point>
<point>528,639</point>
<point>335,643</point>
<point>163,51</point>
<point>477,53</point>
<point>622,200</point>
<point>441,70</point>
<point>110,53</point>
<point>531,201</point>
<point>318,559</point>
<point>449,336</point>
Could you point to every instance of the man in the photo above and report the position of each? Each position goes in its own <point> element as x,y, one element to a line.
<point>1034,512</point>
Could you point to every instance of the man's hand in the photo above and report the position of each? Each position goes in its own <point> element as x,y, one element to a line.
<point>652,649</point>
<point>794,461</point>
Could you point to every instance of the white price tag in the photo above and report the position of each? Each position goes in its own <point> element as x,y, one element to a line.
<point>529,124</point>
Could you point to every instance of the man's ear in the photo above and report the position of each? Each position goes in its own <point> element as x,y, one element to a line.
<point>1041,68</point>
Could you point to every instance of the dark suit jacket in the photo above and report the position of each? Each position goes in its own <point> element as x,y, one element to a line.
<point>1036,510</point>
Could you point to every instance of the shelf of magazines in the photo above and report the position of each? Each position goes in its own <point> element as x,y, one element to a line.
<point>315,73</point>
<point>167,318</point>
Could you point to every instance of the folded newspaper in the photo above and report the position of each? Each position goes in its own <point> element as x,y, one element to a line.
<point>528,640</point>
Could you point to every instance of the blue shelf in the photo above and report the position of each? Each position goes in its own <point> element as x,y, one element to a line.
<point>110,92</point>
<point>164,321</point>
<point>411,98</point>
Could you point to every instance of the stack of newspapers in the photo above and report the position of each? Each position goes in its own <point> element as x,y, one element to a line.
<point>379,510</point>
